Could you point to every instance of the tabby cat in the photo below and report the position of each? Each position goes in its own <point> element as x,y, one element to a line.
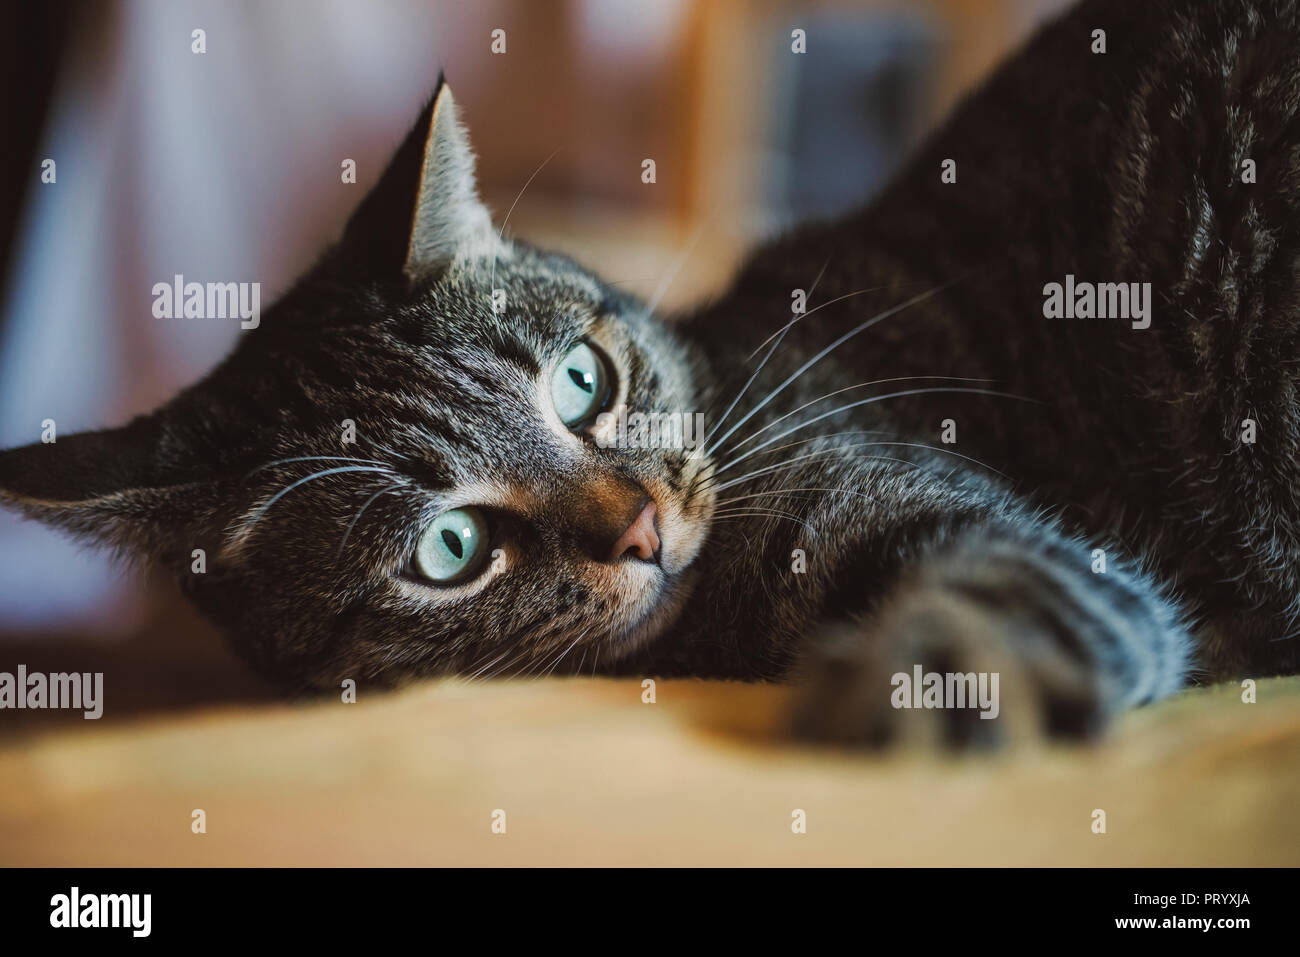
<point>925,466</point>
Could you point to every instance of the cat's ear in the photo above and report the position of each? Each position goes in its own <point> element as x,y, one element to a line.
<point>425,210</point>
<point>138,488</point>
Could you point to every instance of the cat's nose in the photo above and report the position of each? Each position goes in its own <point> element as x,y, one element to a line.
<point>640,540</point>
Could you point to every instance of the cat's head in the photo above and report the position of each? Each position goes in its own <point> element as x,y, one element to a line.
<point>410,465</point>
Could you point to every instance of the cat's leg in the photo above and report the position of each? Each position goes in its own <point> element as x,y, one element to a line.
<point>1056,642</point>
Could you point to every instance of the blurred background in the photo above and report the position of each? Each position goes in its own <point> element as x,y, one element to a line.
<point>224,165</point>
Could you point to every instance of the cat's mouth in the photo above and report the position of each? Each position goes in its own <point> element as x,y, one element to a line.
<point>652,594</point>
<point>682,518</point>
<point>660,609</point>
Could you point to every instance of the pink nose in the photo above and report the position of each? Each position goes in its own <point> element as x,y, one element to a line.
<point>640,539</point>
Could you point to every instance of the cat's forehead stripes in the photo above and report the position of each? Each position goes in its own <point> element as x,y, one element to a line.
<point>510,348</point>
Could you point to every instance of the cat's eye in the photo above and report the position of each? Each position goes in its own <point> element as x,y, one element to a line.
<point>580,386</point>
<point>453,547</point>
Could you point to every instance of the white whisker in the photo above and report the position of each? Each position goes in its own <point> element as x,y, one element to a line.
<point>910,445</point>
<point>848,388</point>
<point>878,398</point>
<point>780,334</point>
<point>812,289</point>
<point>303,481</point>
<point>861,327</point>
<point>314,458</point>
<point>502,231</point>
<point>361,511</point>
<point>780,466</point>
<point>550,671</point>
<point>764,513</point>
<point>785,491</point>
<point>666,283</point>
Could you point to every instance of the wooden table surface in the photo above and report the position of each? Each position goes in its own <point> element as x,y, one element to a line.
<point>588,774</point>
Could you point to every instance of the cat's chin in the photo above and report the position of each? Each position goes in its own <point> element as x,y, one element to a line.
<point>655,620</point>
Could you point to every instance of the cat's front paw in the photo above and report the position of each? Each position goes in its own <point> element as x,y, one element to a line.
<point>945,668</point>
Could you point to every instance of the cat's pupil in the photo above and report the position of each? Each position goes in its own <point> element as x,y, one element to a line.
<point>453,543</point>
<point>582,380</point>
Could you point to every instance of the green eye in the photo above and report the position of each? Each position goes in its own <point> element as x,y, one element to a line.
<point>580,386</point>
<point>452,548</point>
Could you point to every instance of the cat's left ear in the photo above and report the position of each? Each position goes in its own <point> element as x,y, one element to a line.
<point>425,211</point>
<point>143,488</point>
